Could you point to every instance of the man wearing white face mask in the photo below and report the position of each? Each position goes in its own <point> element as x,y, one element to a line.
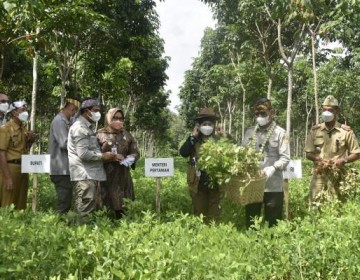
<point>329,143</point>
<point>205,200</point>
<point>86,158</point>
<point>268,138</point>
<point>4,107</point>
<point>15,140</point>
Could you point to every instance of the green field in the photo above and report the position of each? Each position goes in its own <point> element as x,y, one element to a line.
<point>176,245</point>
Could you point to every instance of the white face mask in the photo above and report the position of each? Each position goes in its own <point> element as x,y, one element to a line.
<point>23,116</point>
<point>263,120</point>
<point>327,116</point>
<point>95,116</point>
<point>4,107</point>
<point>206,129</point>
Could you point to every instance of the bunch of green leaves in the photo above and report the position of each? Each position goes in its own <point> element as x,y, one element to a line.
<point>349,185</point>
<point>343,180</point>
<point>223,160</point>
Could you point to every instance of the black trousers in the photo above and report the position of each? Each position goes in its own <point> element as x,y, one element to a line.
<point>64,192</point>
<point>273,209</point>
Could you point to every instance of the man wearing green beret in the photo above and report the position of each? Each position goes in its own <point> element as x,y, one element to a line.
<point>330,145</point>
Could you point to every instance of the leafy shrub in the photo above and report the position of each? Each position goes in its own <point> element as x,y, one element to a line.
<point>222,160</point>
<point>175,245</point>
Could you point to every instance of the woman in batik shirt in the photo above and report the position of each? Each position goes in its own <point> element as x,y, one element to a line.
<point>119,185</point>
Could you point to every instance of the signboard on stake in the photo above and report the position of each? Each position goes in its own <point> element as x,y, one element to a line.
<point>35,164</point>
<point>159,167</point>
<point>293,170</point>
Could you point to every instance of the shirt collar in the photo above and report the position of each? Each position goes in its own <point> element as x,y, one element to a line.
<point>64,117</point>
<point>85,121</point>
<point>15,124</point>
<point>336,126</point>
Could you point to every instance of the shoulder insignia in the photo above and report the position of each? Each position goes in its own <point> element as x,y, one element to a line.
<point>346,127</point>
<point>317,126</point>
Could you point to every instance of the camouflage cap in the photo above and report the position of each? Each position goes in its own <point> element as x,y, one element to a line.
<point>89,102</point>
<point>330,100</point>
<point>206,113</point>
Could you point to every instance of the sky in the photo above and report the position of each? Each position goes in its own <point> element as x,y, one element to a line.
<point>182,26</point>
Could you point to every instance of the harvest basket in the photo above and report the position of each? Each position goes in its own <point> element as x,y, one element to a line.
<point>246,191</point>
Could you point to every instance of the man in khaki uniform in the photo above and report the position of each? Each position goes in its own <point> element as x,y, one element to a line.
<point>329,143</point>
<point>15,141</point>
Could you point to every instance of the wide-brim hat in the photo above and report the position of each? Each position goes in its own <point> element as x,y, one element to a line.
<point>206,113</point>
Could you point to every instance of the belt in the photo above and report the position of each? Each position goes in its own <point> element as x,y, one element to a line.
<point>15,161</point>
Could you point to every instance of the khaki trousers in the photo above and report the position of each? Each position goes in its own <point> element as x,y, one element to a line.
<point>86,193</point>
<point>207,203</point>
<point>321,183</point>
<point>18,195</point>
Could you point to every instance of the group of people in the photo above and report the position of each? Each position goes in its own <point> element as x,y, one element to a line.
<point>328,143</point>
<point>88,168</point>
<point>92,168</point>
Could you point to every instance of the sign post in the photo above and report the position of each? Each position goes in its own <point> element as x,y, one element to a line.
<point>35,164</point>
<point>158,168</point>
<point>293,171</point>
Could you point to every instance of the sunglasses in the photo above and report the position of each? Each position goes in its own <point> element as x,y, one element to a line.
<point>261,114</point>
<point>4,101</point>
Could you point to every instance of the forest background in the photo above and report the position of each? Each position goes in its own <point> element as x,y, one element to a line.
<point>50,50</point>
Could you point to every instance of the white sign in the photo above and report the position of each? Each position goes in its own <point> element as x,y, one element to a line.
<point>293,170</point>
<point>159,167</point>
<point>35,164</point>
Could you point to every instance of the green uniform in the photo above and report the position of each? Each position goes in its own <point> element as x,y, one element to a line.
<point>205,200</point>
<point>332,144</point>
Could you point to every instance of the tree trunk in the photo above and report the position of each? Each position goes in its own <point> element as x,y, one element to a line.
<point>34,90</point>
<point>2,63</point>
<point>308,112</point>
<point>313,51</point>
<point>270,84</point>
<point>289,99</point>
